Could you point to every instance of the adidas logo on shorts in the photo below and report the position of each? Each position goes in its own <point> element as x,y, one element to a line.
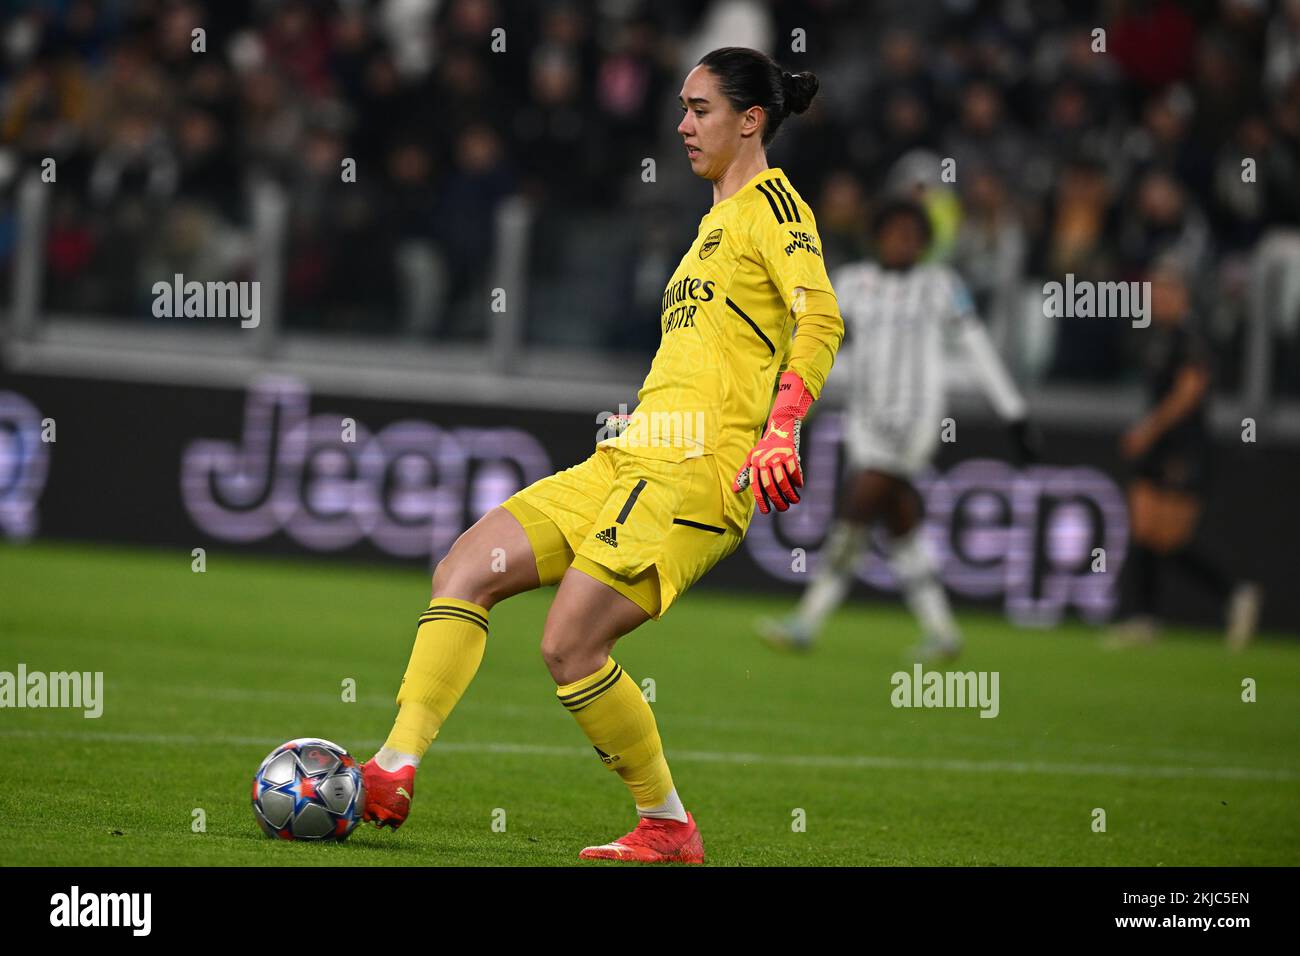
<point>609,536</point>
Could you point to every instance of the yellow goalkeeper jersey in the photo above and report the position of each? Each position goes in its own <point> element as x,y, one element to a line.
<point>727,323</point>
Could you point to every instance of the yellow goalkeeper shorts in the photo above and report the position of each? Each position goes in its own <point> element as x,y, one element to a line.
<point>647,528</point>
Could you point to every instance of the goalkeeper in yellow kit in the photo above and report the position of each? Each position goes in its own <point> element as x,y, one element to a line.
<point>749,330</point>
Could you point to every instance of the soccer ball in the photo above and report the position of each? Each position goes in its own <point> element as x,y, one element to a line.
<point>308,789</point>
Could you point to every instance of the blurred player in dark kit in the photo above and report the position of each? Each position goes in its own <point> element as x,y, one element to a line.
<point>1169,453</point>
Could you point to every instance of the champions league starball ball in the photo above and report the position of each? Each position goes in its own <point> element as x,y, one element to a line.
<point>308,789</point>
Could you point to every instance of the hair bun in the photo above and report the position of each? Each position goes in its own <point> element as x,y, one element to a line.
<point>799,88</point>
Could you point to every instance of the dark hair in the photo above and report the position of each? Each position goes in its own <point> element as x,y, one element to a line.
<point>751,78</point>
<point>902,206</point>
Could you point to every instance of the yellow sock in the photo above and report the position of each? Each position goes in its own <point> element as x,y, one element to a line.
<point>619,723</point>
<point>448,648</point>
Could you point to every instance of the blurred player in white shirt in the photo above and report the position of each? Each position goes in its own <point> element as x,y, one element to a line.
<point>898,312</point>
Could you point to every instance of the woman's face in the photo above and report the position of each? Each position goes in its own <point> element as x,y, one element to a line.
<point>711,130</point>
<point>901,242</point>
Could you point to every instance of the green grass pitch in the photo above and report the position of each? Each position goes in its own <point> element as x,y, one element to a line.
<point>205,673</point>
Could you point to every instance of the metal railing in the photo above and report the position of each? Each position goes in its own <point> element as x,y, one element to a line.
<point>502,368</point>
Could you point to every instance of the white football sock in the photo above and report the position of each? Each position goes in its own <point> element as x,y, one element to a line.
<point>833,577</point>
<point>670,809</point>
<point>914,565</point>
<point>391,760</point>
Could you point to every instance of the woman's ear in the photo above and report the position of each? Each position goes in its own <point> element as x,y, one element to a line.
<point>751,121</point>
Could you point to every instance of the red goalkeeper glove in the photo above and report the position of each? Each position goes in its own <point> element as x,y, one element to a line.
<point>772,469</point>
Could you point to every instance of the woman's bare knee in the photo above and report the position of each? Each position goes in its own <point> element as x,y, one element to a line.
<point>456,577</point>
<point>1141,526</point>
<point>570,656</point>
<point>586,620</point>
<point>488,563</point>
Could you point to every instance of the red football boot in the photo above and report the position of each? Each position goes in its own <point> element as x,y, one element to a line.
<point>388,795</point>
<point>653,841</point>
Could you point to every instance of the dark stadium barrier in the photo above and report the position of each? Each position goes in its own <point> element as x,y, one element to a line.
<point>278,470</point>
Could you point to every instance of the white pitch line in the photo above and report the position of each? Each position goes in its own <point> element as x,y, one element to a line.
<point>830,761</point>
<point>706,721</point>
